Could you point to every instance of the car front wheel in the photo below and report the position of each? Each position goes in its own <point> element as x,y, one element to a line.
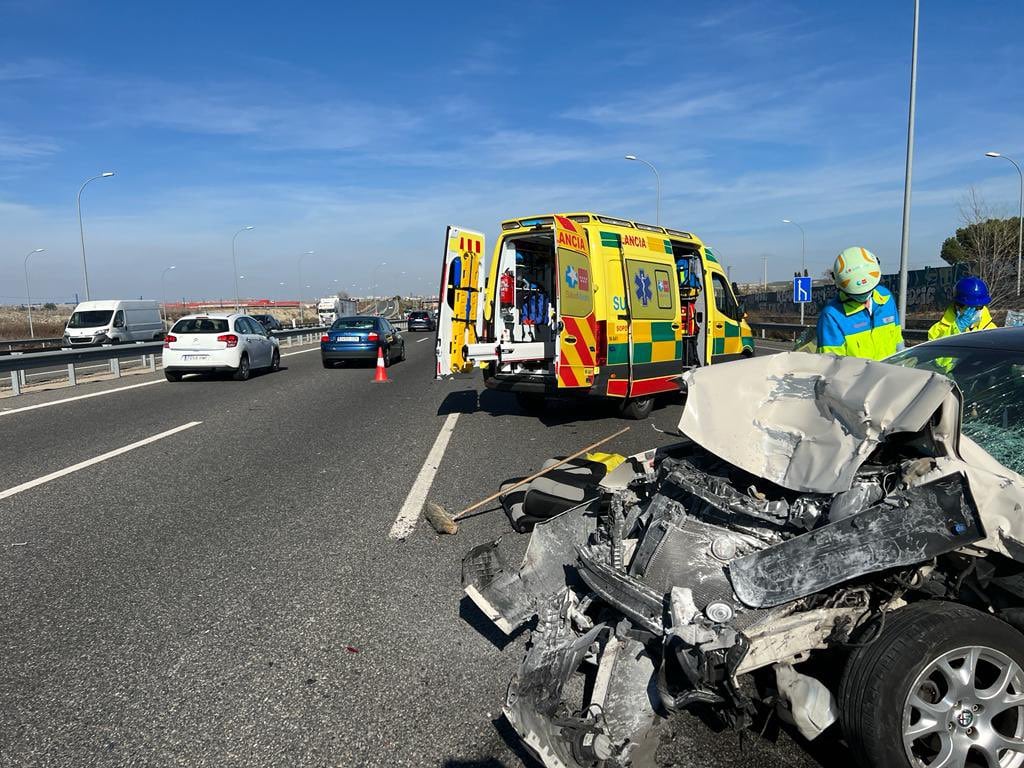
<point>940,686</point>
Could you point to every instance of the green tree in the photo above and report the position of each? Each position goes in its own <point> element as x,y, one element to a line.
<point>987,245</point>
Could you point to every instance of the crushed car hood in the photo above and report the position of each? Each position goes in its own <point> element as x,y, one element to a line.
<point>808,422</point>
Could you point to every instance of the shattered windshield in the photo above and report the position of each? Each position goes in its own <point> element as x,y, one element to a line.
<point>992,382</point>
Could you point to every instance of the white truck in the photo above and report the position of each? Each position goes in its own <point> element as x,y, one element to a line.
<point>113,322</point>
<point>330,308</point>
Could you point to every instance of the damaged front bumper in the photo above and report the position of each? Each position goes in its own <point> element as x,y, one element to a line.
<point>583,693</point>
<point>697,569</point>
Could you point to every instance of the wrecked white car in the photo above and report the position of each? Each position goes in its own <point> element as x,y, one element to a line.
<point>834,547</point>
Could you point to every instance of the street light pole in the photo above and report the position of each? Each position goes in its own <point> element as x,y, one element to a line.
<point>81,227</point>
<point>803,258</point>
<point>764,282</point>
<point>234,262</point>
<point>163,293</point>
<point>28,293</point>
<point>1020,212</point>
<point>905,236</point>
<point>302,315</point>
<point>657,178</point>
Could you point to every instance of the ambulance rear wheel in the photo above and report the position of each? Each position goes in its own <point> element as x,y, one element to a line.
<point>638,409</point>
<point>529,402</point>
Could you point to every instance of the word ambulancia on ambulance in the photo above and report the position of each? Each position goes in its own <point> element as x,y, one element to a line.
<point>582,304</point>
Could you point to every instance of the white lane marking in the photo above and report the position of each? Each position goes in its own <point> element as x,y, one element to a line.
<point>301,351</point>
<point>95,460</point>
<point>405,523</point>
<point>420,341</point>
<point>110,391</point>
<point>78,397</point>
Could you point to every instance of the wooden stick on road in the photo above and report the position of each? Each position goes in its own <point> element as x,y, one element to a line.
<point>442,522</point>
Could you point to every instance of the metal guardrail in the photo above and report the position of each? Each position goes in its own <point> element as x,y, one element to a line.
<point>795,329</point>
<point>25,345</point>
<point>17,363</point>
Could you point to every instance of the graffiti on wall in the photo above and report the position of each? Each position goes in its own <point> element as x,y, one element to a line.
<point>928,290</point>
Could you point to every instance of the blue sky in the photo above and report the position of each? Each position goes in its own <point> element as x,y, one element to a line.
<point>360,130</point>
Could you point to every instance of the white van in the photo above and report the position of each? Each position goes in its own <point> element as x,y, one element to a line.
<point>113,322</point>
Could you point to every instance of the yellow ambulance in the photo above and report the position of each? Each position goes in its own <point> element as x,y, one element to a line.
<point>580,303</point>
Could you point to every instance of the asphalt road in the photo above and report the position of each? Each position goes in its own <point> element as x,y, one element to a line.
<point>228,594</point>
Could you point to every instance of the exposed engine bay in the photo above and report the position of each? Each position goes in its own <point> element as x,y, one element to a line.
<point>707,572</point>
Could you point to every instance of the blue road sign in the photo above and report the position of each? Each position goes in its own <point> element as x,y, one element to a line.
<point>802,290</point>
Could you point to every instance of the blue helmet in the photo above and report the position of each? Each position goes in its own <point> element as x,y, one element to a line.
<point>971,291</point>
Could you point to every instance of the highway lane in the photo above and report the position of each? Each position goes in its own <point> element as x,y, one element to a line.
<point>230,596</point>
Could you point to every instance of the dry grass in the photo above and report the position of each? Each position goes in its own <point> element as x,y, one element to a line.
<point>48,323</point>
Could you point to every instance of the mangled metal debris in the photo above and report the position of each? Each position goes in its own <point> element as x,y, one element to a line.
<point>708,572</point>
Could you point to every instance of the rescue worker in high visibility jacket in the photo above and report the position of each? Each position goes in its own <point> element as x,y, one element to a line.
<point>862,321</point>
<point>968,312</point>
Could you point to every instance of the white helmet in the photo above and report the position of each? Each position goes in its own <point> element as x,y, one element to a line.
<point>857,272</point>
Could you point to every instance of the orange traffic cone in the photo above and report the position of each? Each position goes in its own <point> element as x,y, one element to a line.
<point>381,376</point>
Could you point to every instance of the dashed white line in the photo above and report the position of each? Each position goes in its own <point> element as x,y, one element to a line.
<point>10,411</point>
<point>78,397</point>
<point>95,460</point>
<point>301,351</point>
<point>420,341</point>
<point>405,523</point>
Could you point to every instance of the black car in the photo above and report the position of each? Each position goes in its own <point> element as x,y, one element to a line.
<point>269,322</point>
<point>421,321</point>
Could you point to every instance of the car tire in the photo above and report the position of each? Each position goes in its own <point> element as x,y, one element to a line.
<point>327,363</point>
<point>912,656</point>
<point>387,357</point>
<point>275,362</point>
<point>637,408</point>
<point>172,375</point>
<point>244,370</point>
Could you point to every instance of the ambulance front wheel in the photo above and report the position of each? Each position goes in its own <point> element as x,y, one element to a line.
<point>638,408</point>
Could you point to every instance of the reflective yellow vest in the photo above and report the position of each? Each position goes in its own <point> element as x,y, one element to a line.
<point>947,325</point>
<point>847,328</point>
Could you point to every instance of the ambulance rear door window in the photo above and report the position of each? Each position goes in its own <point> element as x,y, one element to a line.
<point>663,288</point>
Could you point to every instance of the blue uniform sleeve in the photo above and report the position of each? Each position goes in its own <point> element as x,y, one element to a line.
<point>830,335</point>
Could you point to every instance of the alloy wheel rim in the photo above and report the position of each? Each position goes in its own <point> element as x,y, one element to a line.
<point>966,710</point>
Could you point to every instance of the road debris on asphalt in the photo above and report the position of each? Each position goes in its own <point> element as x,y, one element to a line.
<point>831,494</point>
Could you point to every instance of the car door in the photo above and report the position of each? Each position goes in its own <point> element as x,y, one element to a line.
<point>397,339</point>
<point>388,334</point>
<point>244,326</point>
<point>262,336</point>
<point>576,350</point>
<point>461,311</point>
<point>121,326</point>
<point>727,341</point>
<point>263,339</point>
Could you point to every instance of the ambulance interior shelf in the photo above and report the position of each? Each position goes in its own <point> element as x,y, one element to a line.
<point>688,268</point>
<point>525,300</point>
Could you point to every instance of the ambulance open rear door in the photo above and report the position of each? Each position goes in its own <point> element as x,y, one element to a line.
<point>576,354</point>
<point>460,316</point>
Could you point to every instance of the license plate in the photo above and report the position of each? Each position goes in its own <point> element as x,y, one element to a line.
<point>346,338</point>
<point>195,357</point>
